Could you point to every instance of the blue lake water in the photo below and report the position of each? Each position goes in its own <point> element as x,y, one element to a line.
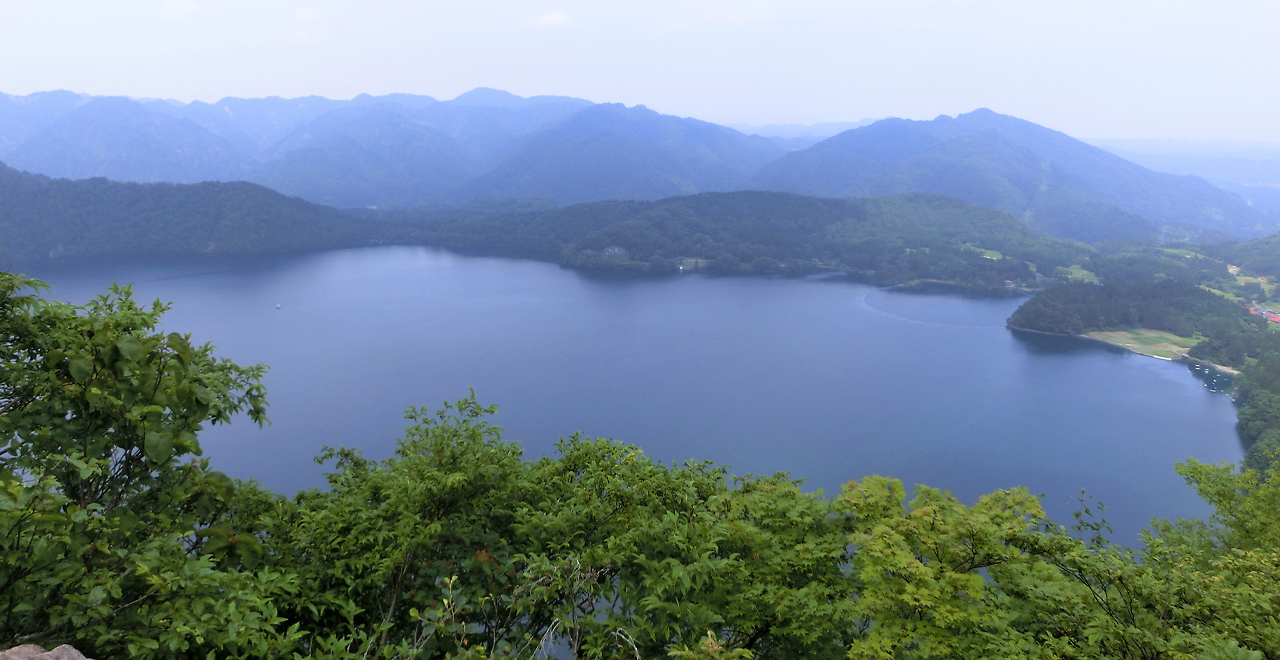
<point>827,379</point>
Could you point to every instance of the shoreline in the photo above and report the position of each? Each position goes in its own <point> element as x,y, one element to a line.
<point>1182,358</point>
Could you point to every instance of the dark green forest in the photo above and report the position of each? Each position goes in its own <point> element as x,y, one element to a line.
<point>897,239</point>
<point>118,538</point>
<point>1260,255</point>
<point>1183,309</point>
<point>44,218</point>
<point>892,240</point>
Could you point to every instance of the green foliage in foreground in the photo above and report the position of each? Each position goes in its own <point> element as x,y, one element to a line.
<point>118,540</point>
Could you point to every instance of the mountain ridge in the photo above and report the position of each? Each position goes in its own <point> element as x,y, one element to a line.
<point>403,150</point>
<point>1053,181</point>
<point>610,151</point>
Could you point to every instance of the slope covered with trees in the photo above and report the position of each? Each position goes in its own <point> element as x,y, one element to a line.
<point>120,540</point>
<point>392,151</point>
<point>610,151</point>
<point>1143,286</point>
<point>1260,255</point>
<point>23,117</point>
<point>42,217</point>
<point>1054,182</point>
<point>896,240</point>
<point>900,239</point>
<point>366,157</point>
<point>1077,308</point>
<point>120,139</point>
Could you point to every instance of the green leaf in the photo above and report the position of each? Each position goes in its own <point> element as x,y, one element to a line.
<point>250,550</point>
<point>131,348</point>
<point>221,529</point>
<point>187,442</point>
<point>81,369</point>
<point>126,521</point>
<point>180,346</point>
<point>159,447</point>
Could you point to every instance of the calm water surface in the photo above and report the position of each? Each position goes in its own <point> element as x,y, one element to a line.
<point>826,379</point>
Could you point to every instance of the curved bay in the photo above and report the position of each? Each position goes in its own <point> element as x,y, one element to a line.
<point>823,378</point>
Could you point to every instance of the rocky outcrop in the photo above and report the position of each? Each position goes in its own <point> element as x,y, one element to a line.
<point>33,652</point>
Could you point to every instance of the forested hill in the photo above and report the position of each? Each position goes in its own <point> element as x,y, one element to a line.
<point>1260,256</point>
<point>898,239</point>
<point>42,217</point>
<point>902,238</point>
<point>1180,291</point>
<point>1057,184</point>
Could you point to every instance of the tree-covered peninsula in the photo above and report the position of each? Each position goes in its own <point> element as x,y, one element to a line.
<point>894,239</point>
<point>119,538</point>
<point>1183,309</point>
<point>1210,306</point>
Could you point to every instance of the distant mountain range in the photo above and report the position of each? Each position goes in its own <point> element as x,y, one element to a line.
<point>609,151</point>
<point>406,151</point>
<point>1248,169</point>
<point>793,137</point>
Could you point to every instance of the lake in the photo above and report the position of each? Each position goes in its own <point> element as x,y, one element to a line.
<point>824,378</point>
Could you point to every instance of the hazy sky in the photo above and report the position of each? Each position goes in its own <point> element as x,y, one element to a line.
<point>1162,69</point>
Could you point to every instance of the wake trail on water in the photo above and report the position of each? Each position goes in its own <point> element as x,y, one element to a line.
<point>867,305</point>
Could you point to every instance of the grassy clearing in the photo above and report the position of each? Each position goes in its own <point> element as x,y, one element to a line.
<point>1224,294</point>
<point>989,254</point>
<point>1156,343</point>
<point>1075,272</point>
<point>1181,253</point>
<point>1267,287</point>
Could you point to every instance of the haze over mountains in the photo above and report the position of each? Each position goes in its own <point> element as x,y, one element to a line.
<point>1248,169</point>
<point>1055,183</point>
<point>408,151</point>
<point>792,137</point>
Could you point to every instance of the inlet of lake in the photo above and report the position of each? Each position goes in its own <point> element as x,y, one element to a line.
<point>821,377</point>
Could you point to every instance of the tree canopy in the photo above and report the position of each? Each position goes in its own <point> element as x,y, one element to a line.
<point>895,239</point>
<point>118,538</point>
